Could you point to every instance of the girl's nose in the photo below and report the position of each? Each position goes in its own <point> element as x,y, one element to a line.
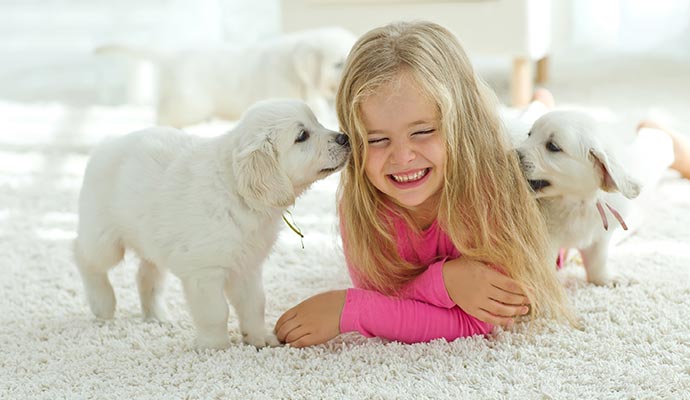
<point>402,154</point>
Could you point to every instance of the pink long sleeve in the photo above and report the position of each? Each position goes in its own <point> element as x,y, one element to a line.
<point>406,320</point>
<point>423,310</point>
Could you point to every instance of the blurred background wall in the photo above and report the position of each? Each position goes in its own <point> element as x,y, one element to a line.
<point>46,45</point>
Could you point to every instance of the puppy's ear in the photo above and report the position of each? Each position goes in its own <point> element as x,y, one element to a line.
<point>613,177</point>
<point>307,60</point>
<point>260,177</point>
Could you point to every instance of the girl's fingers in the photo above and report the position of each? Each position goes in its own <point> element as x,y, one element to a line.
<point>285,329</point>
<point>508,285</point>
<point>287,315</point>
<point>295,334</point>
<point>304,341</point>
<point>507,298</point>
<point>506,310</point>
<point>493,319</point>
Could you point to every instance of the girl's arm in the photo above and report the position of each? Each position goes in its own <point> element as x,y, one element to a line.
<point>482,291</point>
<point>322,317</point>
<point>406,320</point>
<point>428,287</point>
<point>431,313</point>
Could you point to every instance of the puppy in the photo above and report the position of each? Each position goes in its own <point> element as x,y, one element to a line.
<point>196,84</point>
<point>206,209</point>
<point>581,189</point>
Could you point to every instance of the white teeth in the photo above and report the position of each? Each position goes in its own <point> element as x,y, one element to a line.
<point>412,177</point>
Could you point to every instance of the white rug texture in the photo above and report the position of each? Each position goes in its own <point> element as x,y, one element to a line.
<point>635,343</point>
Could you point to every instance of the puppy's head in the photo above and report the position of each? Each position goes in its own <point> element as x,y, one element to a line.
<point>563,156</point>
<point>281,149</point>
<point>319,58</point>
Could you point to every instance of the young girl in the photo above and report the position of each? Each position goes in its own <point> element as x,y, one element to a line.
<point>440,233</point>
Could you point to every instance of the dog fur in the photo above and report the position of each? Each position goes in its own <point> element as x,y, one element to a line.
<point>206,209</point>
<point>570,171</point>
<point>197,84</point>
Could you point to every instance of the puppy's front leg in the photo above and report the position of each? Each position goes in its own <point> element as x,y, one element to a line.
<point>594,258</point>
<point>246,293</point>
<point>209,309</point>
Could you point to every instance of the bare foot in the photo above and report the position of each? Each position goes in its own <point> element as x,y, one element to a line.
<point>545,97</point>
<point>681,147</point>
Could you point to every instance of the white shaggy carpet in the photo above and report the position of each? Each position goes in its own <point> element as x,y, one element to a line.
<point>635,343</point>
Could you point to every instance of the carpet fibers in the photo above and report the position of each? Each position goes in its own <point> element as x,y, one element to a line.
<point>635,343</point>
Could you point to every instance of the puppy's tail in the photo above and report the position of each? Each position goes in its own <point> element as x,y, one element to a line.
<point>135,52</point>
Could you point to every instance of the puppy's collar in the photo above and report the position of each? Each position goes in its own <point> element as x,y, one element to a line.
<point>294,227</point>
<point>615,213</point>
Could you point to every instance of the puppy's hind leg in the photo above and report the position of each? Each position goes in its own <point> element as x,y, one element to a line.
<point>246,293</point>
<point>209,309</point>
<point>94,259</point>
<point>151,285</point>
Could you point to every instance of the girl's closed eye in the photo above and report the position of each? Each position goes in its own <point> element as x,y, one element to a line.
<point>377,141</point>
<point>425,131</point>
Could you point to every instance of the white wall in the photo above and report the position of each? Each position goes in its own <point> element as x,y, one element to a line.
<point>46,46</point>
<point>642,27</point>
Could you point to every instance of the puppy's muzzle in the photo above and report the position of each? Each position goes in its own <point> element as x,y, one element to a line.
<point>342,153</point>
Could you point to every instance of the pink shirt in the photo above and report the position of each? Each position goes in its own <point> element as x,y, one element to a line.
<point>423,310</point>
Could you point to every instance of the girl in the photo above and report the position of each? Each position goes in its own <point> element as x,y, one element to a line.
<point>440,233</point>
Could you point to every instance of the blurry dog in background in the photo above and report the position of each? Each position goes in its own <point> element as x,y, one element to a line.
<point>582,190</point>
<point>206,209</point>
<point>197,84</point>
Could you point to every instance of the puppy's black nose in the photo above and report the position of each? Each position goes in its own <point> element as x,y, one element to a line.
<point>342,139</point>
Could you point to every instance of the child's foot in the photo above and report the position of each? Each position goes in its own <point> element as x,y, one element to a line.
<point>681,147</point>
<point>545,97</point>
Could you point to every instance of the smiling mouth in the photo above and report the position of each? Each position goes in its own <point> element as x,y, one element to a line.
<point>407,178</point>
<point>538,184</point>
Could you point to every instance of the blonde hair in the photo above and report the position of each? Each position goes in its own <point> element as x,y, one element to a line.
<point>485,206</point>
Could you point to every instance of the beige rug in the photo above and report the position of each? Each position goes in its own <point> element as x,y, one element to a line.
<point>635,344</point>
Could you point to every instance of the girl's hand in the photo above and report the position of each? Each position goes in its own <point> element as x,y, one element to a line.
<point>316,320</point>
<point>483,292</point>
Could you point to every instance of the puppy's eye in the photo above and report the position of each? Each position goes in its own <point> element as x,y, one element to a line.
<point>303,136</point>
<point>529,133</point>
<point>552,147</point>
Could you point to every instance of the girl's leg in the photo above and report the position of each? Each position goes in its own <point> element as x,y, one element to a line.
<point>651,154</point>
<point>681,146</point>
<point>542,102</point>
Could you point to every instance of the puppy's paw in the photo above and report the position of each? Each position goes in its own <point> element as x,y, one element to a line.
<point>621,281</point>
<point>156,314</point>
<point>611,280</point>
<point>102,304</point>
<point>212,342</point>
<point>156,319</point>
<point>602,280</point>
<point>261,340</point>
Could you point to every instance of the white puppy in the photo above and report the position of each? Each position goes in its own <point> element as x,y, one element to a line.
<point>581,189</point>
<point>206,209</point>
<point>196,84</point>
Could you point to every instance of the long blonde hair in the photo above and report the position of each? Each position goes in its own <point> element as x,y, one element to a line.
<point>485,206</point>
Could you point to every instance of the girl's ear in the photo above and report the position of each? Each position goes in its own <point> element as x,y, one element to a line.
<point>260,177</point>
<point>613,177</point>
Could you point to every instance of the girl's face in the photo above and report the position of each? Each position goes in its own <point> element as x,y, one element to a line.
<point>406,154</point>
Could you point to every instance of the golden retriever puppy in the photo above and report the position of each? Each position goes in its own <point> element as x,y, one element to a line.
<point>206,209</point>
<point>197,84</point>
<point>582,190</point>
